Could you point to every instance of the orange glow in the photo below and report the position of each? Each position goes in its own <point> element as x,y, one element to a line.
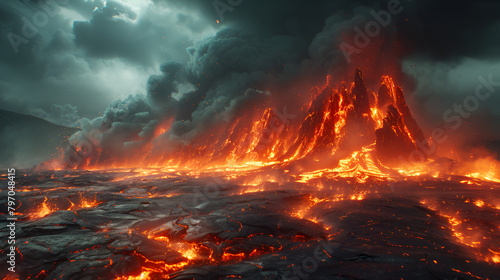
<point>44,209</point>
<point>257,139</point>
<point>479,203</point>
<point>495,257</point>
<point>229,257</point>
<point>47,208</point>
<point>163,127</point>
<point>345,131</point>
<point>260,138</point>
<point>465,233</point>
<point>143,276</point>
<point>86,203</point>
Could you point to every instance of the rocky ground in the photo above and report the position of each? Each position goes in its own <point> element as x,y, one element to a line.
<point>166,224</point>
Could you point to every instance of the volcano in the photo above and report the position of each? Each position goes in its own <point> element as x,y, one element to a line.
<point>334,193</point>
<point>341,120</point>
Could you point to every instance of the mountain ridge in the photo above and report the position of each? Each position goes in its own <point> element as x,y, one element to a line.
<point>26,140</point>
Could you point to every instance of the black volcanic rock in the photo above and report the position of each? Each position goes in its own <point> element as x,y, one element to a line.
<point>359,127</point>
<point>393,140</point>
<point>383,96</point>
<point>323,108</point>
<point>344,93</point>
<point>415,130</point>
<point>398,230</point>
<point>270,130</point>
<point>359,94</point>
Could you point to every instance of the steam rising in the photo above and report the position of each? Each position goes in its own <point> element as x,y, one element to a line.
<point>270,62</point>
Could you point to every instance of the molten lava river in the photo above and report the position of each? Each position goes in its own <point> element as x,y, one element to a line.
<point>327,196</point>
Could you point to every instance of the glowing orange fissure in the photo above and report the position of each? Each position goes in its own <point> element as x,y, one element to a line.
<point>341,119</point>
<point>265,140</point>
<point>193,253</point>
<point>337,116</point>
<point>465,233</point>
<point>46,207</point>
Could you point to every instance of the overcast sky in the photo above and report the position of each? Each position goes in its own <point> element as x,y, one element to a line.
<point>63,60</point>
<point>89,53</point>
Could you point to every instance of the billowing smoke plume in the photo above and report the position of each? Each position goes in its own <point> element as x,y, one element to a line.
<point>270,62</point>
<point>229,73</point>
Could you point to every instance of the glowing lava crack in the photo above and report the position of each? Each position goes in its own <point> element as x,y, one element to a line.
<point>160,227</point>
<point>251,202</point>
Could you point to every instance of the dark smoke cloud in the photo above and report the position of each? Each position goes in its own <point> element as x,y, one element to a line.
<point>269,51</point>
<point>232,71</point>
<point>115,31</point>
<point>85,53</point>
<point>448,46</point>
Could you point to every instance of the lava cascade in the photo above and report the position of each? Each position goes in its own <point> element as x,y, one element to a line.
<point>341,120</point>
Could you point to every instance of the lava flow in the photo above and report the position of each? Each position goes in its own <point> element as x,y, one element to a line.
<point>175,224</point>
<point>348,131</point>
<point>263,198</point>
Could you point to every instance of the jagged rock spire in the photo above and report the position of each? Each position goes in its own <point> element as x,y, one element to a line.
<point>361,101</point>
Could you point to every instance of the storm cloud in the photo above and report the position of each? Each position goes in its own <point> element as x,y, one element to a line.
<point>157,60</point>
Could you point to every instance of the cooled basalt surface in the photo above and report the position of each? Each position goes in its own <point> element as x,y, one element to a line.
<point>169,224</point>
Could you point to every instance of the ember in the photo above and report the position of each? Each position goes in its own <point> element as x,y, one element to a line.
<point>348,131</point>
<point>442,224</point>
<point>279,193</point>
<point>232,139</point>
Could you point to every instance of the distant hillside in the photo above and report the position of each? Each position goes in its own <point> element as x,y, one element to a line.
<point>26,140</point>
